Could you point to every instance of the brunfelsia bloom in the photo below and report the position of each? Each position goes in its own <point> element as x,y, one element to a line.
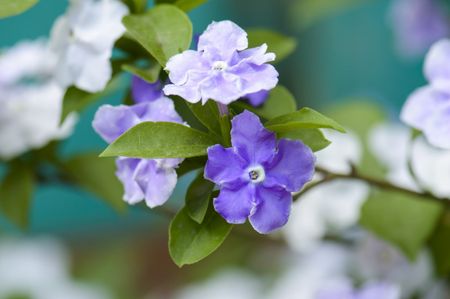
<point>222,68</point>
<point>83,40</point>
<point>428,108</point>
<point>257,174</point>
<point>149,179</point>
<point>31,101</point>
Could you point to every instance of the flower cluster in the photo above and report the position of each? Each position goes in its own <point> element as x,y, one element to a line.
<point>428,108</point>
<point>149,179</point>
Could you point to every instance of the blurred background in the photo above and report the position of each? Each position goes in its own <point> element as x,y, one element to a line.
<point>349,53</point>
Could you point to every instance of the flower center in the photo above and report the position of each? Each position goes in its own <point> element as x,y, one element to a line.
<point>219,66</point>
<point>256,174</point>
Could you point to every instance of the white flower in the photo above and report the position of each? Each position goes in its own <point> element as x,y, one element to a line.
<point>227,284</point>
<point>330,207</point>
<point>31,102</point>
<point>39,268</point>
<point>83,39</point>
<point>391,143</point>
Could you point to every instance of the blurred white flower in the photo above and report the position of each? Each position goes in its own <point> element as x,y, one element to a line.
<point>31,101</point>
<point>330,207</point>
<point>377,260</point>
<point>39,268</point>
<point>391,144</point>
<point>83,40</point>
<point>232,283</point>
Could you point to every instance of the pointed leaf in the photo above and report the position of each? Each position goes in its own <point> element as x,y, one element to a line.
<point>208,115</point>
<point>10,8</point>
<point>198,196</point>
<point>150,75</point>
<point>160,140</point>
<point>313,138</point>
<point>277,43</point>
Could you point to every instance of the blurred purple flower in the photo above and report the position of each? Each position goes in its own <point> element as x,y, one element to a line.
<point>143,91</point>
<point>222,68</point>
<point>257,98</point>
<point>417,24</point>
<point>370,291</point>
<point>257,174</point>
<point>428,108</point>
<point>149,179</point>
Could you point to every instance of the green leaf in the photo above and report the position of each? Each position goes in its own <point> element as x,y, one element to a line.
<point>304,118</point>
<point>164,31</point>
<point>150,75</point>
<point>313,138</point>
<point>96,175</point>
<point>75,100</point>
<point>208,115</point>
<point>136,6</point>
<point>280,44</point>
<point>405,221</point>
<point>16,191</point>
<point>190,242</point>
<point>197,198</point>
<point>190,164</point>
<point>440,246</point>
<point>185,5</point>
<point>160,140</point>
<point>279,102</point>
<point>10,8</point>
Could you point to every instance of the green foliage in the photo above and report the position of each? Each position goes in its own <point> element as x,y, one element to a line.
<point>440,246</point>
<point>403,220</point>
<point>304,118</point>
<point>150,74</point>
<point>160,140</point>
<point>185,5</point>
<point>16,192</point>
<point>208,115</point>
<point>277,43</point>
<point>96,176</point>
<point>164,31</point>
<point>10,8</point>
<point>191,164</point>
<point>136,6</point>
<point>313,138</point>
<point>197,198</point>
<point>190,242</point>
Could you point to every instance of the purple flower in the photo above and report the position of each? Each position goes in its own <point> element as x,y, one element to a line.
<point>222,68</point>
<point>149,179</point>
<point>428,108</point>
<point>369,291</point>
<point>417,24</point>
<point>257,98</point>
<point>257,174</point>
<point>143,91</point>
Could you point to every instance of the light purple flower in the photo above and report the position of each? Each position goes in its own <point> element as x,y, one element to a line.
<point>149,179</point>
<point>428,108</point>
<point>257,174</point>
<point>143,91</point>
<point>222,68</point>
<point>257,98</point>
<point>369,291</point>
<point>417,24</point>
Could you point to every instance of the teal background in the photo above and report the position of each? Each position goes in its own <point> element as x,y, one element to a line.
<point>346,55</point>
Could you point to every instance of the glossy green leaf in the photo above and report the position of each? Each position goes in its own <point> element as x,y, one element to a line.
<point>279,102</point>
<point>96,175</point>
<point>197,198</point>
<point>208,115</point>
<point>277,43</point>
<point>440,246</point>
<point>313,138</point>
<point>185,5</point>
<point>160,140</point>
<point>190,242</point>
<point>150,74</point>
<point>164,31</point>
<point>190,164</point>
<point>136,6</point>
<point>304,118</point>
<point>16,191</point>
<point>400,219</point>
<point>10,8</point>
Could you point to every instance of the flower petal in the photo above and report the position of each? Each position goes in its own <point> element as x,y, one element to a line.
<point>183,65</point>
<point>224,36</point>
<point>254,77</point>
<point>251,140</point>
<point>235,202</point>
<point>436,65</point>
<point>223,165</point>
<point>292,166</point>
<point>125,172</point>
<point>437,129</point>
<point>272,210</point>
<point>257,98</point>
<point>112,121</point>
<point>145,92</point>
